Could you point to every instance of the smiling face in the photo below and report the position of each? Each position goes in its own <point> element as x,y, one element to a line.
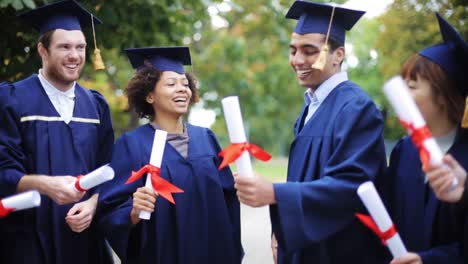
<point>171,96</point>
<point>304,51</point>
<point>64,59</point>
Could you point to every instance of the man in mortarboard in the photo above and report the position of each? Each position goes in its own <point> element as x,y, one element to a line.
<point>338,145</point>
<point>52,130</point>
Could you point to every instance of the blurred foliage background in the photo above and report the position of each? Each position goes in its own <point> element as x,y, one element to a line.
<point>239,47</point>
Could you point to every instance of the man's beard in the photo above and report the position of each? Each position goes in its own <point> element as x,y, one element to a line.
<point>55,75</point>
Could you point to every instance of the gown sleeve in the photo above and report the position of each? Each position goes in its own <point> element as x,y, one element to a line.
<point>230,196</point>
<point>12,155</point>
<point>115,198</point>
<point>105,134</point>
<point>449,253</point>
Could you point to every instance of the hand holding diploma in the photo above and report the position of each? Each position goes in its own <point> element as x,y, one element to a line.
<point>19,202</point>
<point>411,118</point>
<point>441,179</point>
<point>381,224</point>
<point>408,258</point>
<point>94,178</point>
<point>254,191</point>
<point>61,190</point>
<point>144,199</point>
<point>153,179</point>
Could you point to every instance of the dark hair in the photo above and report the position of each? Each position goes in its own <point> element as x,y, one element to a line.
<point>333,44</point>
<point>46,39</point>
<point>143,82</point>
<point>441,84</point>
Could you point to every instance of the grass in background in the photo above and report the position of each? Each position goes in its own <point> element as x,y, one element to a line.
<point>275,170</point>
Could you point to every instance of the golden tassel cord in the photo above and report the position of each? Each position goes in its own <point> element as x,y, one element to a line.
<point>98,63</point>
<point>319,64</point>
<point>464,122</point>
<point>97,60</point>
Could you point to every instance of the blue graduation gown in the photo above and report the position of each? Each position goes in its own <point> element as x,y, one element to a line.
<point>339,148</point>
<point>204,224</point>
<point>462,214</point>
<point>31,142</point>
<point>426,225</point>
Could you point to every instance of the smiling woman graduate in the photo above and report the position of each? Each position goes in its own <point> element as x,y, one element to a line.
<point>203,226</point>
<point>436,78</point>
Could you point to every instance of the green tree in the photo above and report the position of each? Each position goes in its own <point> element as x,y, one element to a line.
<point>406,28</point>
<point>409,26</point>
<point>127,23</point>
<point>249,58</point>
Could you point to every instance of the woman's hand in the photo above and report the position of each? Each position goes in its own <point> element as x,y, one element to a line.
<point>409,258</point>
<point>440,178</point>
<point>144,199</point>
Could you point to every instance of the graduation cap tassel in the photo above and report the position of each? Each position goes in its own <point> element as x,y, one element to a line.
<point>98,63</point>
<point>322,58</point>
<point>464,123</point>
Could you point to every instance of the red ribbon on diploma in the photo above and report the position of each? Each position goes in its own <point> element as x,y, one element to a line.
<point>232,152</point>
<point>4,211</point>
<point>160,185</point>
<point>418,136</point>
<point>384,236</point>
<point>77,184</point>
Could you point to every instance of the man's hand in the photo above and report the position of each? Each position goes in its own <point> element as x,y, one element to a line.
<point>409,258</point>
<point>144,199</point>
<point>254,191</point>
<point>441,177</point>
<point>60,189</point>
<point>80,216</point>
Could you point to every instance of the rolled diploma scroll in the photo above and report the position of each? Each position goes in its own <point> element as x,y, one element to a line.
<point>157,151</point>
<point>402,102</point>
<point>94,178</point>
<point>23,200</point>
<point>235,126</point>
<point>374,205</point>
